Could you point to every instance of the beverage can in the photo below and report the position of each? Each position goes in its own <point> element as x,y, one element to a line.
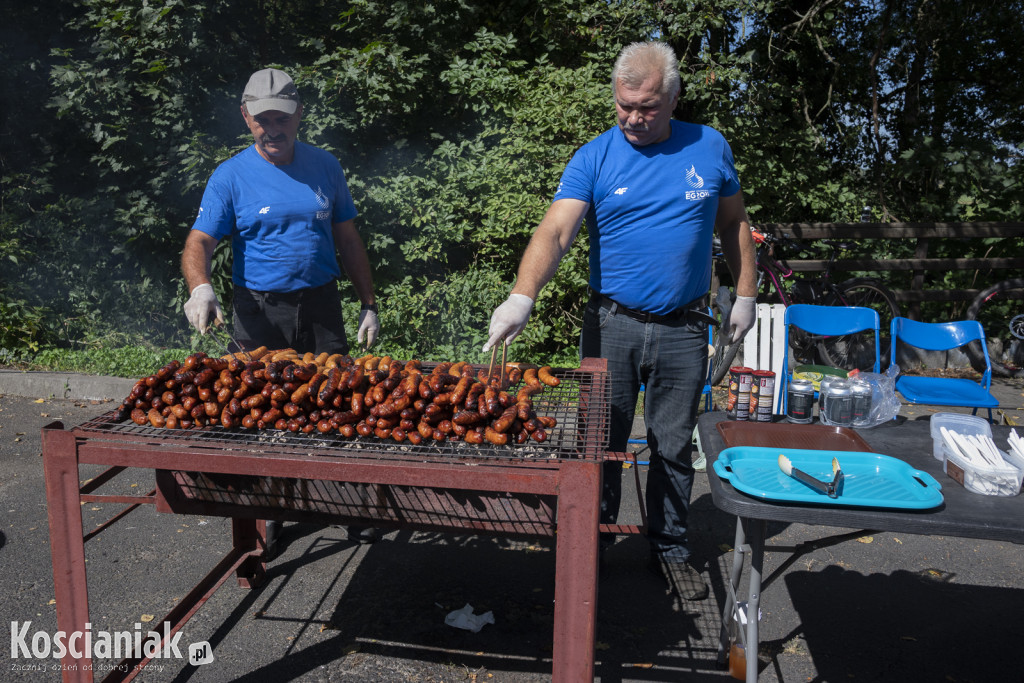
<point>800,401</point>
<point>862,398</point>
<point>762,391</point>
<point>737,406</point>
<point>823,393</point>
<point>837,402</point>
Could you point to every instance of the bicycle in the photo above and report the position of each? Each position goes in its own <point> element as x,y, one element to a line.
<point>994,308</point>
<point>845,351</point>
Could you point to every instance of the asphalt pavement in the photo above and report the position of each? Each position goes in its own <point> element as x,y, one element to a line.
<point>879,607</point>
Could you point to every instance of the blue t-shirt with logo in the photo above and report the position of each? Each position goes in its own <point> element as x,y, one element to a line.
<point>279,217</point>
<point>652,213</point>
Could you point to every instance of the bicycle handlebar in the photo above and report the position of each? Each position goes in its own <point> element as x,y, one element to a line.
<point>769,240</point>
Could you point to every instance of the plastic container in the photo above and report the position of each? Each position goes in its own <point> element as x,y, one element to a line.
<point>816,373</point>
<point>986,480</point>
<point>968,425</point>
<point>737,638</point>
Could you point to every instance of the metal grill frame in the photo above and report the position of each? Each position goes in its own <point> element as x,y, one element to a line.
<point>571,479</point>
<point>581,404</point>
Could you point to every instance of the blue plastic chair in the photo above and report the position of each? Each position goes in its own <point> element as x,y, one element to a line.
<point>824,321</point>
<point>944,391</point>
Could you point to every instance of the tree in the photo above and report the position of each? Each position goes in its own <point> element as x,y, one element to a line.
<point>453,120</point>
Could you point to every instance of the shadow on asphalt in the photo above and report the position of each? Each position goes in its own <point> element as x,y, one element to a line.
<point>857,626</point>
<point>395,594</point>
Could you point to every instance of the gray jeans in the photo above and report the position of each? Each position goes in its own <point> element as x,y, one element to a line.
<point>670,359</point>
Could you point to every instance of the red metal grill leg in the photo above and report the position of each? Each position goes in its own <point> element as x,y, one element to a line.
<point>579,499</point>
<point>247,535</point>
<point>67,547</point>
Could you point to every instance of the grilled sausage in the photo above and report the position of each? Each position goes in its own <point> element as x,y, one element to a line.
<point>215,364</point>
<point>545,376</point>
<point>504,423</point>
<point>496,438</point>
<point>254,401</point>
<point>467,417</point>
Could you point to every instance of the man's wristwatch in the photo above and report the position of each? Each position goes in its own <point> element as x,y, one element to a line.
<point>368,307</point>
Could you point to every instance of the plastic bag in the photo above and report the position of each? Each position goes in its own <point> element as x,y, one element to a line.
<point>884,405</point>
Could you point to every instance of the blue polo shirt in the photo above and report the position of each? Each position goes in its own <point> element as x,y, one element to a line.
<point>279,218</point>
<point>652,213</point>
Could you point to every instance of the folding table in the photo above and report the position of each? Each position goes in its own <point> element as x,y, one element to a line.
<point>962,513</point>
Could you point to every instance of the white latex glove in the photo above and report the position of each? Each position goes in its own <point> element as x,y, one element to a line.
<point>741,317</point>
<point>369,327</point>
<point>509,319</point>
<point>200,305</point>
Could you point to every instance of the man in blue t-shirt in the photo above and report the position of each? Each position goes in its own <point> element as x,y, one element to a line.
<point>652,191</point>
<point>287,209</point>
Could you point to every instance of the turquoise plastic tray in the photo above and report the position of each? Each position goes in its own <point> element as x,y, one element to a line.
<point>869,479</point>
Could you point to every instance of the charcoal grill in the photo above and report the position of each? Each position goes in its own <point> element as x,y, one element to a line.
<point>528,489</point>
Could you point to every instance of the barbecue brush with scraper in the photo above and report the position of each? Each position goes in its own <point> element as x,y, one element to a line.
<point>787,468</point>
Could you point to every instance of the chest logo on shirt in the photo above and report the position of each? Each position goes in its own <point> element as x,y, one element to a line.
<point>324,203</point>
<point>621,190</point>
<point>264,210</point>
<point>696,182</point>
<point>693,179</point>
<point>321,199</point>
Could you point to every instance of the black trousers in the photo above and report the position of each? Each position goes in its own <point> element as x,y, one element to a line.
<point>307,320</point>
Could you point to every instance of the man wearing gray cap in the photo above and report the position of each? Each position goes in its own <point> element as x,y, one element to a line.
<point>287,209</point>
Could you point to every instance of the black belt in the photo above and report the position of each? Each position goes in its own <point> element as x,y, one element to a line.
<point>294,297</point>
<point>696,309</point>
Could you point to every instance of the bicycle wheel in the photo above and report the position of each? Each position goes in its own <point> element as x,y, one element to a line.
<point>851,351</point>
<point>725,350</point>
<point>994,308</point>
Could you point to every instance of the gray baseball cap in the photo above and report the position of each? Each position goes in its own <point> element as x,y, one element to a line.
<point>270,89</point>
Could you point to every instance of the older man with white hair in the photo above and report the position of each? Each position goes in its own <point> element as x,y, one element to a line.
<point>653,190</point>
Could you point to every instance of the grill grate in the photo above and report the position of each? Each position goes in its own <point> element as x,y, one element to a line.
<point>580,403</point>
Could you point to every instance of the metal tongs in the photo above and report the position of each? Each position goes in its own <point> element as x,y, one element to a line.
<point>501,371</point>
<point>829,488</point>
<point>224,328</point>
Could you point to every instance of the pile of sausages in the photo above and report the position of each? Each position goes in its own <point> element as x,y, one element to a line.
<point>368,396</point>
